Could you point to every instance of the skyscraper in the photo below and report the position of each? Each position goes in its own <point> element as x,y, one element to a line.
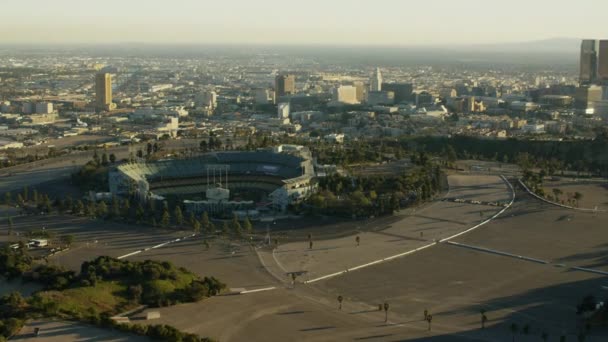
<point>588,72</point>
<point>103,92</point>
<point>602,62</point>
<point>376,82</point>
<point>285,85</point>
<point>403,91</point>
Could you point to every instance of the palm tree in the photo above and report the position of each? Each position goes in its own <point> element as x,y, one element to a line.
<point>544,336</point>
<point>10,225</point>
<point>578,196</point>
<point>557,192</point>
<point>514,329</point>
<point>386,307</point>
<point>358,240</point>
<point>340,299</point>
<point>429,319</point>
<point>484,319</point>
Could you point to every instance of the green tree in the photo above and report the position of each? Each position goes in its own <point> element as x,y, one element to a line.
<point>10,225</point>
<point>235,225</point>
<point>112,158</point>
<point>196,226</point>
<point>165,219</point>
<point>179,216</point>
<point>115,212</point>
<point>205,223</point>
<point>578,196</point>
<point>102,209</point>
<point>8,198</point>
<point>104,159</point>
<point>514,329</point>
<point>225,228</point>
<point>247,227</point>
<point>67,240</point>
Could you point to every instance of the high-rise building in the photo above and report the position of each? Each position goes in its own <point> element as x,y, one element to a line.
<point>285,85</point>
<point>283,110</point>
<point>360,86</point>
<point>103,92</point>
<point>602,62</point>
<point>44,108</point>
<point>403,91</point>
<point>588,67</point>
<point>346,94</point>
<point>376,81</point>
<point>207,99</point>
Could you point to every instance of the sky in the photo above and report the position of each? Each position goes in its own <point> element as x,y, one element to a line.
<point>326,22</point>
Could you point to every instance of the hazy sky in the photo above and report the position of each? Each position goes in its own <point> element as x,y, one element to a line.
<point>398,22</point>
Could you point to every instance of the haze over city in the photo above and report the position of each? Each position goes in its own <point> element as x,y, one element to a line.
<point>342,22</point>
<point>271,171</point>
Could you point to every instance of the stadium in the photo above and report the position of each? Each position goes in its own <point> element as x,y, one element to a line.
<point>222,181</point>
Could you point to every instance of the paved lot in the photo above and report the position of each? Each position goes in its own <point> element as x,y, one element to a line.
<point>415,229</point>
<point>62,331</point>
<point>595,192</point>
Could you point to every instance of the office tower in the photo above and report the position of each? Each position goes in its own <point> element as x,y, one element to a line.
<point>346,94</point>
<point>588,67</point>
<point>285,85</point>
<point>103,92</point>
<point>360,86</point>
<point>264,96</point>
<point>44,108</point>
<point>376,81</point>
<point>587,95</point>
<point>207,99</point>
<point>403,91</point>
<point>283,110</point>
<point>602,62</point>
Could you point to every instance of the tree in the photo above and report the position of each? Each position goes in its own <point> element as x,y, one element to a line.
<point>179,216</point>
<point>112,158</point>
<point>544,336</point>
<point>236,226</point>
<point>247,227</point>
<point>578,196</point>
<point>10,225</point>
<point>484,319</point>
<point>104,159</point>
<point>205,223</point>
<point>196,226</point>
<point>385,307</point>
<point>225,228</point>
<point>514,330</point>
<point>358,240</point>
<point>429,319</point>
<point>165,219</point>
<point>8,198</point>
<point>557,192</point>
<point>139,213</point>
<point>67,240</point>
<point>340,299</point>
<point>102,209</point>
<point>115,212</point>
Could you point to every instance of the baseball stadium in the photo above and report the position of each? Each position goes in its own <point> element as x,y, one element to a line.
<point>222,181</point>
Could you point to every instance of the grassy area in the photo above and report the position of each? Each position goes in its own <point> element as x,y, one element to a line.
<point>105,296</point>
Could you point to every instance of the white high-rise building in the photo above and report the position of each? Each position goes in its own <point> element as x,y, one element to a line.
<point>346,94</point>
<point>376,81</point>
<point>283,112</point>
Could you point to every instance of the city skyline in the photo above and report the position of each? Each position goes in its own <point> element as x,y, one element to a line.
<point>387,22</point>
